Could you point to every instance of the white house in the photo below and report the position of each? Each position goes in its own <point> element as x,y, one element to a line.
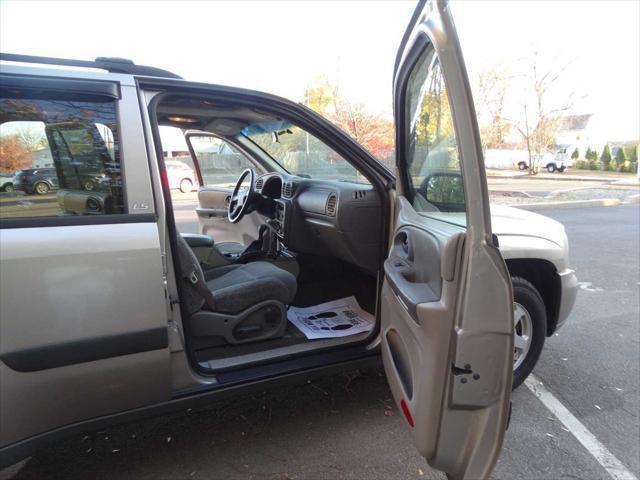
<point>579,131</point>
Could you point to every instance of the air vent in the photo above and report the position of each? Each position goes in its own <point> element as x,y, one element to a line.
<point>359,194</point>
<point>287,189</point>
<point>259,183</point>
<point>332,201</point>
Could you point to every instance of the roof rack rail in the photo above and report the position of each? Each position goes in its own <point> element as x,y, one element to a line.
<point>110,64</point>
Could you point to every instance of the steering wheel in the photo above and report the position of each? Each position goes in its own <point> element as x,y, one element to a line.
<point>241,197</point>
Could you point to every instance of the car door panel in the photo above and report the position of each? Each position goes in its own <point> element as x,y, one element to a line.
<point>213,206</point>
<point>83,306</point>
<point>446,304</point>
<point>79,349</point>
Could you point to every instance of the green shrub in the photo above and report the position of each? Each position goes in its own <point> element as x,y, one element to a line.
<point>633,154</point>
<point>633,167</point>
<point>621,157</point>
<point>582,165</point>
<point>594,164</point>
<point>605,158</point>
<point>625,166</point>
<point>612,166</point>
<point>576,154</point>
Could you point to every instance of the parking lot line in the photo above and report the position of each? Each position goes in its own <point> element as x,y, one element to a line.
<point>611,464</point>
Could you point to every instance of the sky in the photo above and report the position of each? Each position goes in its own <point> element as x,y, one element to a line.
<point>281,47</point>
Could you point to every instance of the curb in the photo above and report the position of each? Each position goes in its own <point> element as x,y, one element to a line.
<point>601,202</point>
<point>560,178</point>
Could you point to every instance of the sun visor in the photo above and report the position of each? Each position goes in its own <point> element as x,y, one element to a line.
<point>266,127</point>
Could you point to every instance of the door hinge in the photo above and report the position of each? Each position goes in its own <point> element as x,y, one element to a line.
<point>173,301</point>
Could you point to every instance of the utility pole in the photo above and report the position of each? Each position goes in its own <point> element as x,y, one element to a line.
<point>526,127</point>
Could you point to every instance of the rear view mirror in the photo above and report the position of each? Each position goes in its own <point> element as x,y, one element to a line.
<point>445,191</point>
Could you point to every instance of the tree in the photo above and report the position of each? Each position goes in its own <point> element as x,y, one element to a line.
<point>491,90</point>
<point>633,155</point>
<point>13,154</point>
<point>321,95</point>
<point>621,156</point>
<point>32,139</point>
<point>576,154</point>
<point>605,158</point>
<point>539,119</point>
<point>374,132</point>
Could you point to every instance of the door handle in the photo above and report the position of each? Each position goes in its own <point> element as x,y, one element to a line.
<point>227,200</point>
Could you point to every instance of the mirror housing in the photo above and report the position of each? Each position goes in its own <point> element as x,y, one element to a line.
<point>446,191</point>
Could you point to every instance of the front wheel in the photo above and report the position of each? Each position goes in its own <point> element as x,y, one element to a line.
<point>522,166</point>
<point>551,168</point>
<point>186,185</point>
<point>561,169</point>
<point>42,188</point>
<point>8,187</point>
<point>530,328</point>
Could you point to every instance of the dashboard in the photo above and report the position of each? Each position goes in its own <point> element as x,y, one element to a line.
<point>326,217</point>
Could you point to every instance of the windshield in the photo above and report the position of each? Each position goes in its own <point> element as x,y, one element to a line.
<point>302,154</point>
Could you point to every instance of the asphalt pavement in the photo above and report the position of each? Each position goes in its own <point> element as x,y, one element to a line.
<point>346,426</point>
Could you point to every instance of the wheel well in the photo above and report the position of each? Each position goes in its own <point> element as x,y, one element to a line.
<point>542,275</point>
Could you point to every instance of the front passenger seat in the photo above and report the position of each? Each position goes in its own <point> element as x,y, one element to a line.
<point>239,302</point>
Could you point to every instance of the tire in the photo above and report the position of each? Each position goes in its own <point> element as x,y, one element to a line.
<point>186,185</point>
<point>561,169</point>
<point>8,187</point>
<point>527,302</point>
<point>551,168</point>
<point>522,166</point>
<point>41,188</point>
<point>88,185</point>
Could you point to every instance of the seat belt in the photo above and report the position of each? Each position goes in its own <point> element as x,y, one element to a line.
<point>202,289</point>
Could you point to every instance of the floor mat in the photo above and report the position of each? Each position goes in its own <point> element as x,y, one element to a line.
<point>335,319</point>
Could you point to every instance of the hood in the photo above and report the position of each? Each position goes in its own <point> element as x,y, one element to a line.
<point>515,221</point>
<point>510,221</point>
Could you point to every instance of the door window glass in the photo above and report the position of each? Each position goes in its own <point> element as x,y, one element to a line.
<point>432,155</point>
<point>220,163</point>
<point>58,157</point>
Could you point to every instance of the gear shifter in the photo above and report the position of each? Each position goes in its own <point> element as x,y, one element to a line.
<point>272,247</point>
<point>266,246</point>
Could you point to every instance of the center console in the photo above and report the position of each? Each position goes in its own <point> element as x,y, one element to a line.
<point>280,218</point>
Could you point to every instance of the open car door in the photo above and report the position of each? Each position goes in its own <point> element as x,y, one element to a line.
<point>446,308</point>
<point>218,166</point>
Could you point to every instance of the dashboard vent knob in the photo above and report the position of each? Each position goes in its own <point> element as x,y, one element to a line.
<point>332,202</point>
<point>259,184</point>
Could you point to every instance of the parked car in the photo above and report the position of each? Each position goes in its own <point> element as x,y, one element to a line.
<point>128,317</point>
<point>6,183</point>
<point>181,176</point>
<point>36,180</point>
<point>560,162</point>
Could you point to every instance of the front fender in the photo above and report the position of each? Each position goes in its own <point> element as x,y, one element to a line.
<point>525,246</point>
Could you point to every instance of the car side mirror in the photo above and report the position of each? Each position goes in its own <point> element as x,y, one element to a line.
<point>445,191</point>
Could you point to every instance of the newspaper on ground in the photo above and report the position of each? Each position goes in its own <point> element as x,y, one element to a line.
<point>338,318</point>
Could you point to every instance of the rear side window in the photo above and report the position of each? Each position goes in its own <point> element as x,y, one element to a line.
<point>61,155</point>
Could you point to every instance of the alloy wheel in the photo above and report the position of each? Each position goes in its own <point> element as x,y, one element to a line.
<point>522,334</point>
<point>42,188</point>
